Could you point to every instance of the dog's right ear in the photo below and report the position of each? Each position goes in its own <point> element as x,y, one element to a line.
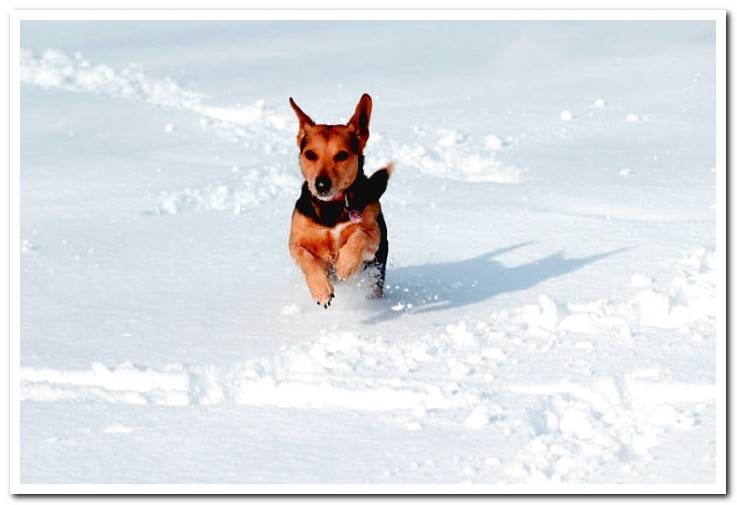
<point>305,122</point>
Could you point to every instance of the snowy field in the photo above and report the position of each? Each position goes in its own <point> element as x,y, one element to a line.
<point>551,304</point>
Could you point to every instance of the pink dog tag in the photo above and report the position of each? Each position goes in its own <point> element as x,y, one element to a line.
<point>355,216</point>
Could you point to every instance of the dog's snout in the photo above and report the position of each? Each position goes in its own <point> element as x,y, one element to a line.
<point>322,184</point>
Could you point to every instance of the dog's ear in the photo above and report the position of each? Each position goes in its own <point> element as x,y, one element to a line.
<point>359,122</point>
<point>305,122</point>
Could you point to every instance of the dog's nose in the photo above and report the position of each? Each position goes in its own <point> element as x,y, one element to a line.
<point>322,184</point>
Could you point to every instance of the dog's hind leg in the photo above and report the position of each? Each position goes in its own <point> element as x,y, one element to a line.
<point>377,282</point>
<point>379,262</point>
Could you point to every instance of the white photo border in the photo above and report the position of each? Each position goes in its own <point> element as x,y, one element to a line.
<point>16,16</point>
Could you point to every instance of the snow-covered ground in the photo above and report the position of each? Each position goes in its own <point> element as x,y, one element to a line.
<point>551,300</point>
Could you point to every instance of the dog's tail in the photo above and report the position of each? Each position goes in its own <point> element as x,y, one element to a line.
<point>378,182</point>
<point>389,168</point>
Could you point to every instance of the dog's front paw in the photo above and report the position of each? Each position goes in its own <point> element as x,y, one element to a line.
<point>322,291</point>
<point>347,265</point>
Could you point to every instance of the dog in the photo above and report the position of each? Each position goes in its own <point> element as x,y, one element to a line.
<point>337,227</point>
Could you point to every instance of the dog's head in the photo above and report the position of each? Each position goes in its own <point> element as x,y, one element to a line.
<point>329,154</point>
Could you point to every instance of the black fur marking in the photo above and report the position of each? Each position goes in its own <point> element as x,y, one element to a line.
<point>325,213</point>
<point>370,190</point>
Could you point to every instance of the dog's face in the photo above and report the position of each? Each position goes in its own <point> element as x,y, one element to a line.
<point>329,154</point>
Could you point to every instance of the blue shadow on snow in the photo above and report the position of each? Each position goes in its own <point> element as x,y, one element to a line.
<point>441,286</point>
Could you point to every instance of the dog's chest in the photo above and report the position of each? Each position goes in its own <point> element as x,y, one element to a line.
<point>338,234</point>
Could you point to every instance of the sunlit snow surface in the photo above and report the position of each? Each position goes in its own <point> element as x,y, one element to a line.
<point>551,298</point>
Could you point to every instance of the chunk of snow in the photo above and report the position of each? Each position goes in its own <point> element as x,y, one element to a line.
<point>566,115</point>
<point>493,353</point>
<point>599,102</point>
<point>632,118</point>
<point>456,161</point>
<point>577,323</point>
<point>549,314</point>
<point>290,310</point>
<point>493,142</point>
<point>563,466</point>
<point>478,418</point>
<point>460,336</point>
<point>449,138</point>
<point>640,280</point>
<point>663,415</point>
<point>577,423</point>
<point>583,345</point>
<point>27,246</point>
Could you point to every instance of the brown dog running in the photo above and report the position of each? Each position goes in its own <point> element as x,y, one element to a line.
<point>337,225</point>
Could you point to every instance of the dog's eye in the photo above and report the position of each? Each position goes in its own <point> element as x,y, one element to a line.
<point>341,156</point>
<point>310,155</point>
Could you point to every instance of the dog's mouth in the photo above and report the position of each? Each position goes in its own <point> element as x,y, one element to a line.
<point>329,192</point>
<point>331,197</point>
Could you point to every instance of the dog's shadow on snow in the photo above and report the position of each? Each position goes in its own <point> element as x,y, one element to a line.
<point>434,287</point>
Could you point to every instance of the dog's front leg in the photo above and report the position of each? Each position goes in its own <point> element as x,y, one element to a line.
<point>315,274</point>
<point>360,247</point>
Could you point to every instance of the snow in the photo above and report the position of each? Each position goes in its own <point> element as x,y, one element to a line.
<point>551,291</point>
<point>478,418</point>
<point>493,142</point>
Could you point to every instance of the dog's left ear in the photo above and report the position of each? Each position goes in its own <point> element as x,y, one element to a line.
<point>359,122</point>
<point>305,122</point>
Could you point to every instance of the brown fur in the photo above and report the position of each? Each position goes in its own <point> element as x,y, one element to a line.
<point>333,151</point>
